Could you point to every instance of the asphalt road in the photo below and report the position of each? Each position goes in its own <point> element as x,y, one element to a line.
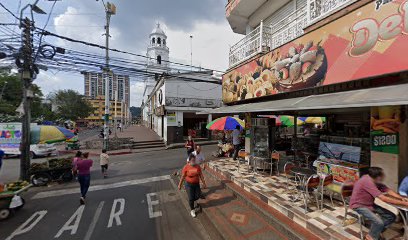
<point>138,201</point>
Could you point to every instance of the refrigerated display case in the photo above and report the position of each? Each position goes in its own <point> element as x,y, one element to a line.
<point>262,132</point>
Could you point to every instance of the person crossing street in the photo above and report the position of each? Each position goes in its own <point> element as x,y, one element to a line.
<point>192,175</point>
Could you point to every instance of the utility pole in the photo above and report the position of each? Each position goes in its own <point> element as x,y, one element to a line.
<point>115,125</point>
<point>26,78</point>
<point>191,52</point>
<point>27,71</point>
<point>110,9</point>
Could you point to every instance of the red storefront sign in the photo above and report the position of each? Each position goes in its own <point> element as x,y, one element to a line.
<point>367,42</point>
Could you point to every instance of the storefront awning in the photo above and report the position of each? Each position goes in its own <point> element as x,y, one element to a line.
<point>381,96</point>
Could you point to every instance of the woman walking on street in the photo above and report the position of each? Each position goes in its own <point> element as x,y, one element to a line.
<point>189,145</point>
<point>77,157</point>
<point>192,174</point>
<point>83,167</point>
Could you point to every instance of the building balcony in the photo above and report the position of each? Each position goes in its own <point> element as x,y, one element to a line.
<point>255,42</point>
<point>268,37</point>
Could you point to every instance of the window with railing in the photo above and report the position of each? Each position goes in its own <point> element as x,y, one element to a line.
<point>252,44</point>
<point>319,9</point>
<point>288,28</point>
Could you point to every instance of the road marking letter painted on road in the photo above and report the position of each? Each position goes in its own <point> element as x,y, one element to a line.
<point>115,214</point>
<point>24,228</point>
<point>57,193</point>
<point>73,228</point>
<point>150,203</point>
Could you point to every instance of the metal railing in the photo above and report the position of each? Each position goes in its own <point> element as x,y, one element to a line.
<point>253,43</point>
<point>265,38</point>
<point>288,28</point>
<point>319,9</point>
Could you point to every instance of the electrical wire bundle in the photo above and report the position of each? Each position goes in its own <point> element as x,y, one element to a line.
<point>54,58</point>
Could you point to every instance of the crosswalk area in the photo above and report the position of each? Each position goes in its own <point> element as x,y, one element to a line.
<point>148,208</point>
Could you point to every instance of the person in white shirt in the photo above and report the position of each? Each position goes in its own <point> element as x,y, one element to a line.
<point>104,161</point>
<point>200,158</point>
<point>236,141</point>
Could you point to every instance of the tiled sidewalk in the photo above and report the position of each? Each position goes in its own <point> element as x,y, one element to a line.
<point>271,190</point>
<point>232,218</point>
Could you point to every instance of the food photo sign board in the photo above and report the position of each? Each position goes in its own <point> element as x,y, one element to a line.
<point>367,42</point>
<point>385,126</point>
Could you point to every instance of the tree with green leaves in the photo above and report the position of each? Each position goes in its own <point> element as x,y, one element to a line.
<point>71,105</point>
<point>11,95</point>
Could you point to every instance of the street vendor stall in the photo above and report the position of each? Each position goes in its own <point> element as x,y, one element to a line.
<point>10,199</point>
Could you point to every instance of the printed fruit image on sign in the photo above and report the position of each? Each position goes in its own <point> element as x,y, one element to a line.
<point>370,41</point>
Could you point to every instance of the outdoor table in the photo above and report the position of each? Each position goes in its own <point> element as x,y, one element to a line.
<point>302,174</point>
<point>403,210</point>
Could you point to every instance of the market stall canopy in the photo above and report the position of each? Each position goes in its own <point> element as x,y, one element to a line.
<point>49,134</point>
<point>381,96</point>
<point>225,123</point>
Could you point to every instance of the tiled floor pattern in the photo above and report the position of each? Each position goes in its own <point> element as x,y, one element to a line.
<point>233,218</point>
<point>327,223</point>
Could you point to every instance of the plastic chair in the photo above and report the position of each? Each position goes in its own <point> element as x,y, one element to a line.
<point>310,185</point>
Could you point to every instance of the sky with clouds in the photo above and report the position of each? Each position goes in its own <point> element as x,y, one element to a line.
<point>84,20</point>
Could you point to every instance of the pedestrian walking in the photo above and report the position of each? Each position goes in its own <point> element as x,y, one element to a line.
<point>83,166</point>
<point>192,174</point>
<point>189,145</point>
<point>77,157</point>
<point>104,161</point>
<point>236,141</point>
<point>200,158</point>
<point>1,157</point>
<point>121,127</point>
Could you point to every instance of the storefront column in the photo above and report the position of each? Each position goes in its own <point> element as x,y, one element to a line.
<point>294,141</point>
<point>388,142</point>
<point>247,133</point>
<point>209,119</point>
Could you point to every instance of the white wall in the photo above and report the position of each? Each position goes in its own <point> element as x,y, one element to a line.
<point>200,90</point>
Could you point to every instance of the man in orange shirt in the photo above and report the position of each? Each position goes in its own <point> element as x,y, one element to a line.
<point>192,174</point>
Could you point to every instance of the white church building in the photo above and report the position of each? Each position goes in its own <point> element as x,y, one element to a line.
<point>171,99</point>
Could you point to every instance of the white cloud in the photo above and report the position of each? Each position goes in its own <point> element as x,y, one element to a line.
<point>50,81</point>
<point>89,28</point>
<point>136,93</point>
<point>211,43</point>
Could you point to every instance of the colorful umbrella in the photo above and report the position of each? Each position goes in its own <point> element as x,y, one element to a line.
<point>225,123</point>
<point>315,120</point>
<point>50,134</point>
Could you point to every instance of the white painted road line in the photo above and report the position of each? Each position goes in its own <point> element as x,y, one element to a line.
<point>94,221</point>
<point>62,192</point>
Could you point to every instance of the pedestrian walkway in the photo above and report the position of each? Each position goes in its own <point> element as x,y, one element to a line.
<point>137,132</point>
<point>270,191</point>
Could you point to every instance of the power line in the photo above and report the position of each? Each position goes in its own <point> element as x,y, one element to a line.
<point>8,10</point>
<point>45,26</point>
<point>116,50</point>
